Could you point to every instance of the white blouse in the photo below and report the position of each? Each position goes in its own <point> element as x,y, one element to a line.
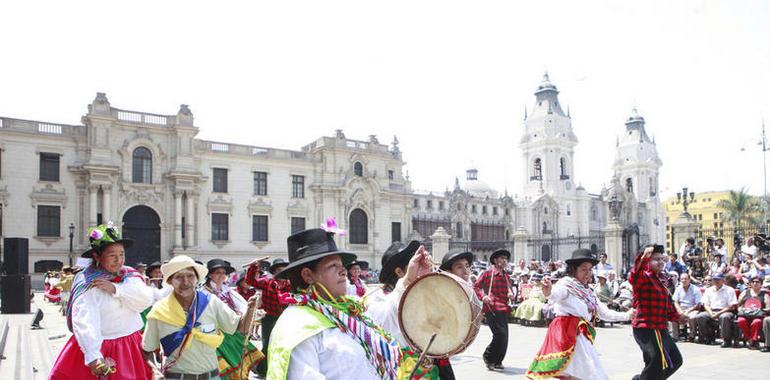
<point>334,355</point>
<point>98,315</point>
<point>241,305</point>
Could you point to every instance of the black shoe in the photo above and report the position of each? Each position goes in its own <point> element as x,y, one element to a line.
<point>725,344</point>
<point>765,349</point>
<point>490,366</point>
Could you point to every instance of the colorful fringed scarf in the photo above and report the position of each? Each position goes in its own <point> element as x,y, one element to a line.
<point>580,291</point>
<point>85,281</point>
<point>382,350</point>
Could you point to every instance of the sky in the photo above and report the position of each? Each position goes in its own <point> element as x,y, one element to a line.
<point>450,79</point>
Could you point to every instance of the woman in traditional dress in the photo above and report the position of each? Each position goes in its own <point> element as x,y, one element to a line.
<point>103,315</point>
<point>355,285</point>
<point>326,334</point>
<point>531,310</point>
<point>568,351</point>
<point>235,361</point>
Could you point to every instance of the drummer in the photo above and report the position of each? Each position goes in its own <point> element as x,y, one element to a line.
<point>326,334</point>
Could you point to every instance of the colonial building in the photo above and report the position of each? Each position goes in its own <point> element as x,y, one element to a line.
<point>173,193</point>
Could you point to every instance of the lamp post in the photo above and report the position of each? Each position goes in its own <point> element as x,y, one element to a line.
<point>681,198</point>
<point>764,173</point>
<point>72,235</point>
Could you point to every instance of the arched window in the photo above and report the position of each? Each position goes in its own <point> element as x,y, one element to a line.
<point>629,185</point>
<point>358,169</point>
<point>563,168</point>
<point>142,165</point>
<point>537,170</point>
<point>359,229</point>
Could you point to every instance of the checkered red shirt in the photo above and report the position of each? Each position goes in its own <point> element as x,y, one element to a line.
<point>501,286</point>
<point>271,290</point>
<point>651,301</point>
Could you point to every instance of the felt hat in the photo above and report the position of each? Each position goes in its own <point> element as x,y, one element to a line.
<point>219,263</point>
<point>454,255</point>
<point>582,255</point>
<point>180,262</point>
<point>277,263</point>
<point>500,252</point>
<point>312,245</point>
<point>397,255</point>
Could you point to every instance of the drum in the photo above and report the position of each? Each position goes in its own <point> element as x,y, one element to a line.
<point>443,304</point>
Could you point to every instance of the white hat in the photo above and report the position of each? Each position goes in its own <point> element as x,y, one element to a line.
<point>181,262</point>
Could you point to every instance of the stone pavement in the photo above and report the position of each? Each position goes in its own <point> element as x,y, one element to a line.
<point>619,353</point>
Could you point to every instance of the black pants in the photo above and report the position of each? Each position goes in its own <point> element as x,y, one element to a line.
<point>498,323</point>
<point>445,372</point>
<point>653,364</point>
<point>268,322</point>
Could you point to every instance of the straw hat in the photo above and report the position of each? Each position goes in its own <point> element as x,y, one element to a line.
<point>181,262</point>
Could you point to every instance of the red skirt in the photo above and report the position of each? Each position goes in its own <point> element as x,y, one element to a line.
<point>53,295</point>
<point>126,351</point>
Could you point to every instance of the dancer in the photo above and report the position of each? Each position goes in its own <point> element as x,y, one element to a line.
<point>326,334</point>
<point>494,288</point>
<point>103,315</point>
<point>654,308</point>
<point>568,351</point>
<point>190,324</point>
<point>237,355</point>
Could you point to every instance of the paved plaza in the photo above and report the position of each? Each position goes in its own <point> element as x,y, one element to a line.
<point>620,355</point>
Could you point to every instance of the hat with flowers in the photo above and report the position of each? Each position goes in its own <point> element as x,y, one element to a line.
<point>103,235</point>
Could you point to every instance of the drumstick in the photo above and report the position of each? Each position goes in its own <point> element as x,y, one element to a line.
<point>422,356</point>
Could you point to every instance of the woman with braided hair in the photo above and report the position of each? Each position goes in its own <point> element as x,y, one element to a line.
<point>103,315</point>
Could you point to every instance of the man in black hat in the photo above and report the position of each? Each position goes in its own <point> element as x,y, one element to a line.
<point>273,289</point>
<point>494,288</point>
<point>325,328</point>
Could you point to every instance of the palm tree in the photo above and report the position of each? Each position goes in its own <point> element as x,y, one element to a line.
<point>740,208</point>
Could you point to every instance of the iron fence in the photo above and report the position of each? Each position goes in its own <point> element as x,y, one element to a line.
<point>547,249</point>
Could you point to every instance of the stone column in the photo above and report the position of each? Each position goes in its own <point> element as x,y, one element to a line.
<point>613,244</point>
<point>190,219</point>
<point>684,227</point>
<point>92,193</point>
<point>520,246</point>
<point>440,241</point>
<point>178,219</point>
<point>106,205</point>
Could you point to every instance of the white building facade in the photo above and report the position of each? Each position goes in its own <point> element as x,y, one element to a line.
<point>176,194</point>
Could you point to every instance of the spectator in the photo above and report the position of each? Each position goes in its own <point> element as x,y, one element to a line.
<point>749,249</point>
<point>719,302</point>
<point>689,251</point>
<point>719,247</point>
<point>698,271</point>
<point>735,266</point>
<point>602,290</point>
<point>603,265</point>
<point>717,265</point>
<point>766,320</point>
<point>672,281</point>
<point>532,307</point>
<point>759,268</point>
<point>687,298</point>
<point>751,311</point>
<point>674,265</point>
<point>521,268</point>
<point>625,294</point>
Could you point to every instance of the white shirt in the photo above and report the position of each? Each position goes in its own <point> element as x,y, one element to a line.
<point>603,267</point>
<point>751,250</point>
<point>334,355</point>
<point>98,315</point>
<point>158,294</point>
<point>719,299</point>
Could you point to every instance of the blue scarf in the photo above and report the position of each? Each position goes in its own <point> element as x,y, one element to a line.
<point>172,341</point>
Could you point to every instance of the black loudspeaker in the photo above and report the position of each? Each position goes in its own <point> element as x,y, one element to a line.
<point>15,294</point>
<point>16,255</point>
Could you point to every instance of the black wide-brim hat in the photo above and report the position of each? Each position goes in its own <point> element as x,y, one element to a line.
<point>312,245</point>
<point>362,264</point>
<point>582,255</point>
<point>219,263</point>
<point>276,264</point>
<point>500,252</point>
<point>397,255</point>
<point>127,243</point>
<point>155,264</point>
<point>454,255</point>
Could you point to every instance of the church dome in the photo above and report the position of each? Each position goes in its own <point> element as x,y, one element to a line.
<point>476,187</point>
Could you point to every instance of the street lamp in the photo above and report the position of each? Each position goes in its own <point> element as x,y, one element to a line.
<point>72,235</point>
<point>681,198</point>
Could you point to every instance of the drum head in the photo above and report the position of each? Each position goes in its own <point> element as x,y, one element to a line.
<point>436,303</point>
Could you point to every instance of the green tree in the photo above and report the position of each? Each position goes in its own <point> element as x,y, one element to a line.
<point>741,208</point>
